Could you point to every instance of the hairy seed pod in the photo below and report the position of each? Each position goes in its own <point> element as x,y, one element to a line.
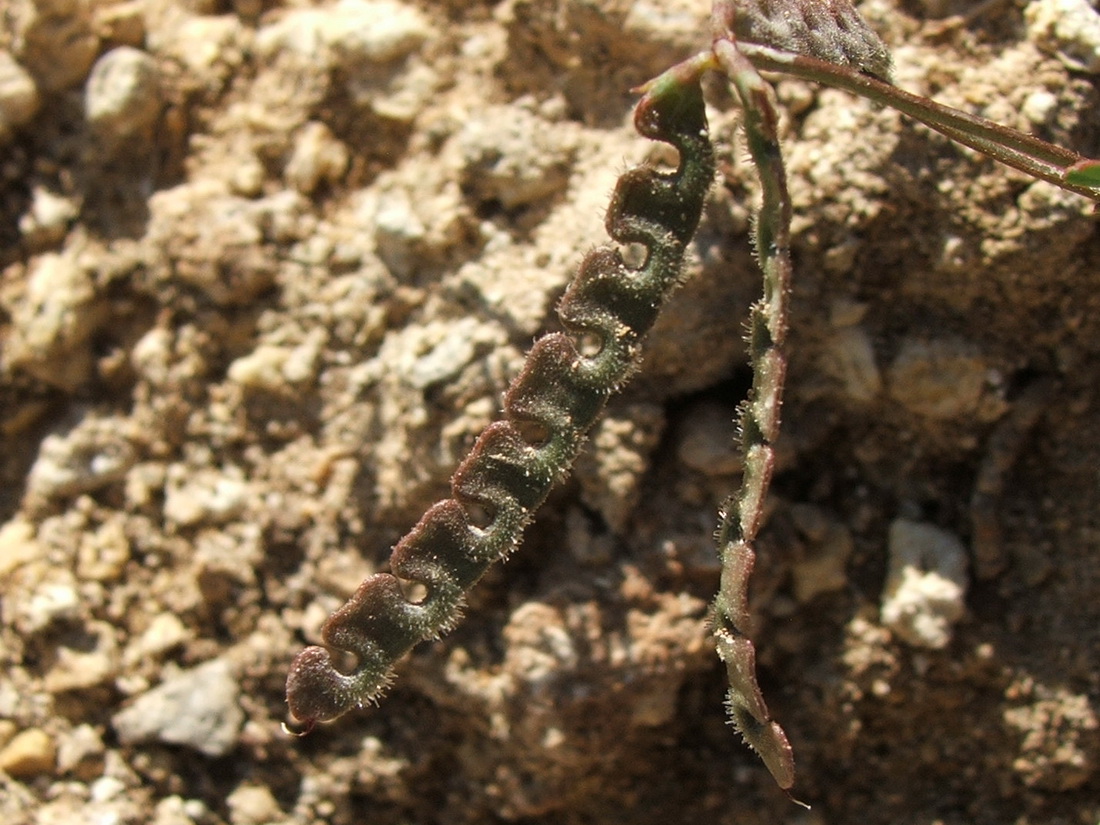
<point>548,410</point>
<point>743,513</point>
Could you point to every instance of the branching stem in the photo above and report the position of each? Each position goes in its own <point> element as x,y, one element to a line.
<point>1024,152</point>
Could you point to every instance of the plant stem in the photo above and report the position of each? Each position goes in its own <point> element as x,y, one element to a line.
<point>1027,153</point>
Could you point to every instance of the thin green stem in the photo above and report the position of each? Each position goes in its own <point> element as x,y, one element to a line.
<point>1027,153</point>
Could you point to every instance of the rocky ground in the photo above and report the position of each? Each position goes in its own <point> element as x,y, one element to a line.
<point>266,269</point>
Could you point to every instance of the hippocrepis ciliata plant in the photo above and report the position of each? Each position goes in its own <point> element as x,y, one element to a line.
<point>568,376</point>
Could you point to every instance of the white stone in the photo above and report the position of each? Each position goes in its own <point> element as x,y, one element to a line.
<point>253,805</point>
<point>203,497</point>
<point>52,321</point>
<point>515,156</point>
<point>48,217</point>
<point>351,32</point>
<point>122,96</point>
<point>278,368</point>
<point>925,590</point>
<point>92,454</point>
<point>17,545</point>
<point>197,708</point>
<point>53,600</point>
<point>318,157</point>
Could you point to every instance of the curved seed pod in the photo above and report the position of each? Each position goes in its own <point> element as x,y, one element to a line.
<point>557,396</point>
<point>743,512</point>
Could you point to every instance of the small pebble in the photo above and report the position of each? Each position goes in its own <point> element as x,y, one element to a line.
<point>58,44</point>
<point>121,23</point>
<point>54,600</point>
<point>203,497</point>
<point>350,33</point>
<point>318,157</point>
<point>122,97</point>
<point>175,810</point>
<point>81,667</point>
<point>1040,107</point>
<point>164,632</point>
<point>52,322</point>
<point>17,545</point>
<point>197,708</point>
<point>515,157</point>
<point>253,805</point>
<point>398,231</point>
<point>451,346</point>
<point>938,379</point>
<point>208,47</point>
<point>19,98</point>
<point>48,218</point>
<point>29,754</point>
<point>925,590</point>
<point>92,454</point>
<point>106,788</point>
<point>80,752</point>
<point>202,236</point>
<point>849,357</point>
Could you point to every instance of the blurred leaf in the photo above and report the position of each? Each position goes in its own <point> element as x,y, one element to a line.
<point>1085,173</point>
